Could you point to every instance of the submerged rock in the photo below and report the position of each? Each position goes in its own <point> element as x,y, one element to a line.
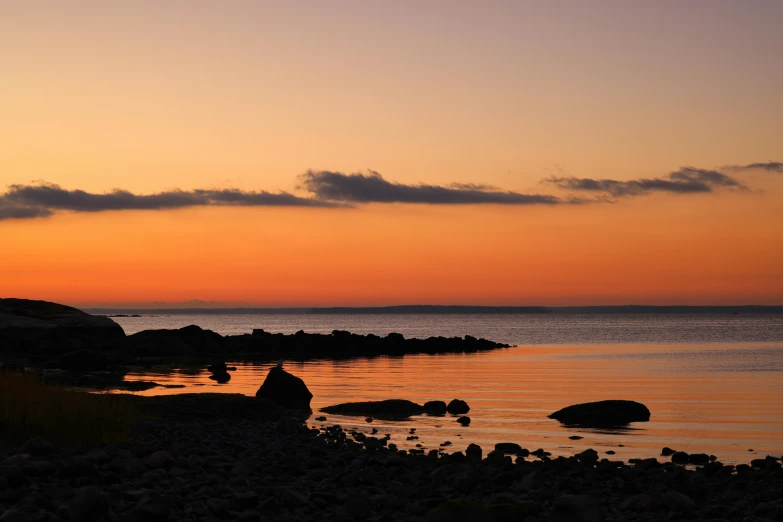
<point>285,390</point>
<point>600,414</point>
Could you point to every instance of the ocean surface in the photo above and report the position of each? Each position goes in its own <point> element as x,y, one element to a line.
<point>713,382</point>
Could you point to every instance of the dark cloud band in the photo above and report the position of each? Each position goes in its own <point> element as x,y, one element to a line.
<point>770,166</point>
<point>336,189</point>
<point>373,188</point>
<point>29,201</point>
<point>687,180</point>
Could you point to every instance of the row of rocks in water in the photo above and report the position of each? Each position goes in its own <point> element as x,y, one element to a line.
<point>397,408</point>
<point>273,467</point>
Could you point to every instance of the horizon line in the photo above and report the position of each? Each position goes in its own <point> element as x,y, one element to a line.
<point>423,309</point>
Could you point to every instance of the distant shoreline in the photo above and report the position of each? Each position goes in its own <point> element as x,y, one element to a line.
<point>447,309</point>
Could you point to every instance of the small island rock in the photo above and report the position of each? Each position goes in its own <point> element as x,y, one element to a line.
<point>603,414</point>
<point>389,409</point>
<point>458,407</point>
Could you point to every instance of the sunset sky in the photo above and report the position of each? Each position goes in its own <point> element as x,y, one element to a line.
<point>368,153</point>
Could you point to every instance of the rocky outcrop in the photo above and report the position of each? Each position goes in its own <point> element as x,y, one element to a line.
<point>43,329</point>
<point>342,344</point>
<point>603,414</point>
<point>190,340</point>
<point>285,390</point>
<point>48,329</point>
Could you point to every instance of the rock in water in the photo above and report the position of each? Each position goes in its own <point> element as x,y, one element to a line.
<point>388,409</point>
<point>473,453</point>
<point>603,414</point>
<point>508,447</point>
<point>435,408</point>
<point>285,390</point>
<point>458,407</point>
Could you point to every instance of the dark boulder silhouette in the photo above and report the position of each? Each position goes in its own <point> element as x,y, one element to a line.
<point>389,409</point>
<point>680,457</point>
<point>435,407</point>
<point>603,414</point>
<point>508,447</point>
<point>285,390</point>
<point>48,329</point>
<point>458,407</point>
<point>219,372</point>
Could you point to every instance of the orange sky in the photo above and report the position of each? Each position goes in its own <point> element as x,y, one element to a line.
<point>197,95</point>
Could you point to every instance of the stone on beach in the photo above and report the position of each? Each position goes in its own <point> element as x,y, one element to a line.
<point>285,390</point>
<point>680,457</point>
<point>603,414</point>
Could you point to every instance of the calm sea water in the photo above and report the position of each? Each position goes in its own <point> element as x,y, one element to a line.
<point>714,383</point>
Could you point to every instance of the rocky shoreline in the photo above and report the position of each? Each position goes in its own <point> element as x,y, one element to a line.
<point>79,349</point>
<point>229,457</point>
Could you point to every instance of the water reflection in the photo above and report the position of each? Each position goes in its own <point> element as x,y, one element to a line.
<point>699,401</point>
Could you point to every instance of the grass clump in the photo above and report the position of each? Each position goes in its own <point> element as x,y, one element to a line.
<point>29,407</point>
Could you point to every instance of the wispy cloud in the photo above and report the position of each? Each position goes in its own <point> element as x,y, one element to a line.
<point>373,188</point>
<point>44,199</point>
<point>769,166</point>
<point>687,180</point>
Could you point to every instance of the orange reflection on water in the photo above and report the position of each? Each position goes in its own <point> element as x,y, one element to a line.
<point>719,399</point>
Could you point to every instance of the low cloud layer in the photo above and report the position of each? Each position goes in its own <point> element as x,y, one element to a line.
<point>373,188</point>
<point>41,200</point>
<point>336,189</point>
<point>687,180</point>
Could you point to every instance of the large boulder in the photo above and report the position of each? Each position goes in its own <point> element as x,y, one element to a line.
<point>389,409</point>
<point>44,328</point>
<point>603,414</point>
<point>285,390</point>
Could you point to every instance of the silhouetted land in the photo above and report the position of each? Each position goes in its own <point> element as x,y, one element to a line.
<point>94,350</point>
<point>232,457</point>
<point>447,309</point>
